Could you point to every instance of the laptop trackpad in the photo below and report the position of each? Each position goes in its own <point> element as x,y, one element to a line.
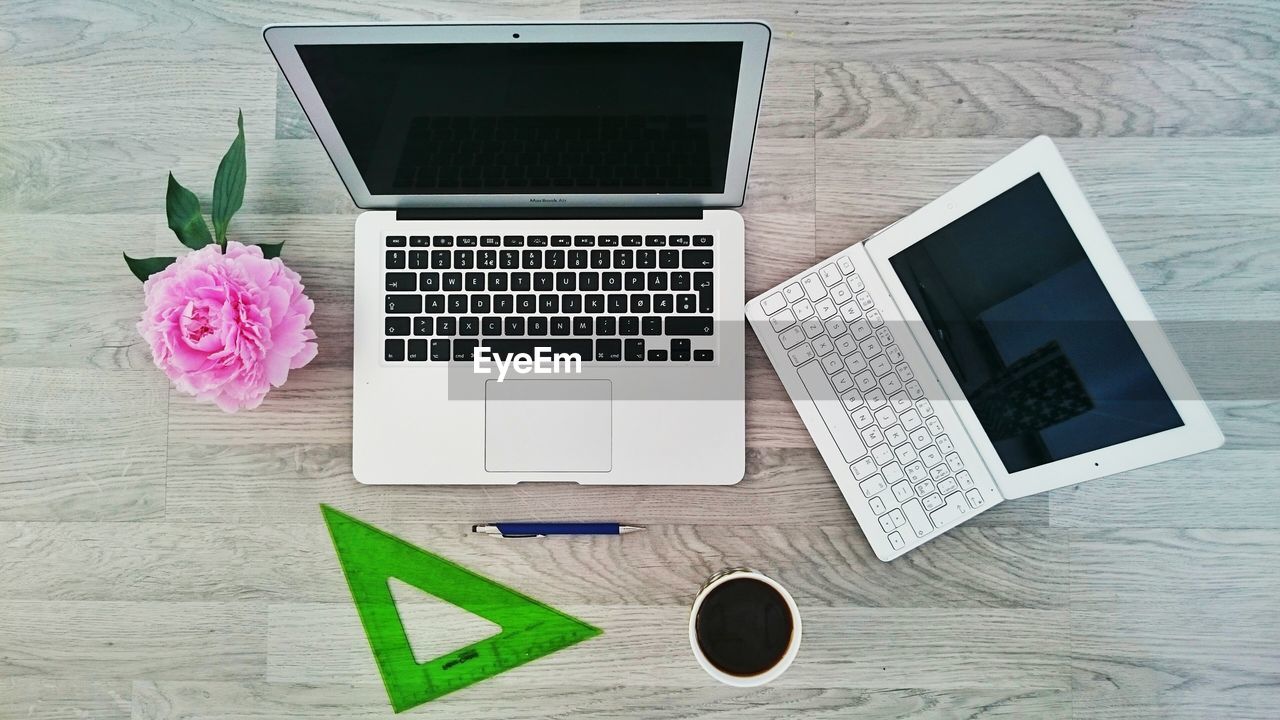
<point>548,426</point>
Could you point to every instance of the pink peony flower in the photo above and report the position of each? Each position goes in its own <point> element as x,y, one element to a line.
<point>227,327</point>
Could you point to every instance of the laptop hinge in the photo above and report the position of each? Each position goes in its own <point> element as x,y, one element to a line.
<point>551,213</point>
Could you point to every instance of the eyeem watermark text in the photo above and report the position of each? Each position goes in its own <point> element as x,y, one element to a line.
<point>541,362</point>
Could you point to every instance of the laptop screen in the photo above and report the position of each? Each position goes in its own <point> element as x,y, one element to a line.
<point>1031,334</point>
<point>500,118</point>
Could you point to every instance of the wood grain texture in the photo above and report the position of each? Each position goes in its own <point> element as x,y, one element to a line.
<point>161,560</point>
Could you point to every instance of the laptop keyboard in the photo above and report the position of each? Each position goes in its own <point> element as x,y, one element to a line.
<point>606,298</point>
<point>896,448</point>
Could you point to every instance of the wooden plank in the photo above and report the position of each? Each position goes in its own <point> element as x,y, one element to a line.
<point>822,565</point>
<point>196,700</point>
<point>41,698</point>
<point>824,30</point>
<point>81,444</point>
<point>126,640</point>
<point>1071,98</point>
<point>315,643</point>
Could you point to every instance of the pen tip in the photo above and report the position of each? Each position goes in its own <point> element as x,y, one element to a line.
<point>624,529</point>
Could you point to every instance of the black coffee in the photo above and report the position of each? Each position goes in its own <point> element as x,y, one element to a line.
<point>743,627</point>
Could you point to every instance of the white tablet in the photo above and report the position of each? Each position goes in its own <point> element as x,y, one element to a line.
<point>1036,330</point>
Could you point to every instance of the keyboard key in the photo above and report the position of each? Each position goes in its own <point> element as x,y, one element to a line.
<point>965,480</point>
<point>393,350</point>
<point>609,350</point>
<point>631,240</point>
<point>513,241</point>
<point>937,472</point>
<point>850,312</point>
<point>813,286</point>
<point>954,463</point>
<point>650,325</point>
<point>657,355</point>
<point>772,303</point>
<point>490,241</point>
<point>845,264</point>
<point>417,351</point>
<point>423,326</point>
<point>916,472</point>
<point>919,437</point>
<point>930,456</point>
<point>669,259</point>
<point>397,326</point>
<point>877,505</point>
<point>464,350</point>
<point>395,241</point>
<point>856,282</point>
<point>822,345</point>
<point>851,399</point>
<point>440,351</point>
<point>689,325</point>
<point>680,350</point>
<point>918,521</point>
<point>584,240</point>
<point>841,380</point>
<point>875,398</point>
<point>895,540</point>
<point>697,259</point>
<point>829,407</point>
<point>948,486</point>
<point>633,348</point>
<point>947,514</point>
<point>655,240</point>
<point>470,241</point>
<point>862,418</point>
<point>863,467</point>
<point>886,523</point>
<point>702,240</point>
<point>825,308</point>
<point>931,502</point>
<point>944,444</point>
<point>704,355</point>
<point>802,309</point>
<point>864,300</point>
<point>841,293</point>
<point>897,518</point>
<point>882,454</point>
<point>902,492</point>
<point>872,435</point>
<point>442,241</point>
<point>791,337</point>
<point>402,282</point>
<point>911,420</point>
<point>678,240</point>
<point>974,497</point>
<point>792,292</point>
<point>403,304</point>
<point>395,259</point>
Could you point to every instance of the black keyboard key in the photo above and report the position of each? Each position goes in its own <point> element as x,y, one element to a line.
<point>423,326</point>
<point>651,325</point>
<point>398,325</point>
<point>632,240</point>
<point>570,303</point>
<point>663,303</point>
<point>402,282</point>
<point>396,241</point>
<point>429,281</point>
<point>657,356</point>
<point>395,259</point>
<point>655,240</point>
<point>609,350</point>
<point>680,281</point>
<point>417,351</point>
<point>582,325</point>
<point>607,240</point>
<point>606,325</point>
<point>640,304</point>
<point>513,241</point>
<point>561,240</point>
<point>464,350</point>
<point>419,259</point>
<point>393,350</point>
<point>678,325</point>
<point>702,240</point>
<point>491,326</point>
<point>594,303</point>
<point>600,259</point>
<point>617,303</point>
<point>678,240</point>
<point>526,304</point>
<point>704,355</point>
<point>686,303</point>
<point>441,259</point>
<point>577,259</point>
<point>698,259</point>
<point>509,259</point>
<point>469,326</point>
<point>635,281</point>
<point>623,259</point>
<point>442,241</point>
<point>560,325</point>
<point>457,304</point>
<point>504,304</point>
<point>537,326</point>
<point>566,281</point>
<point>464,259</point>
<point>487,260</point>
<point>548,304</point>
<point>669,259</point>
<point>629,325</point>
<point>589,281</point>
<point>633,350</point>
<point>520,281</point>
<point>404,304</point>
<point>537,241</point>
<point>544,281</point>
<point>611,281</point>
<point>466,241</point>
<point>447,326</point>
<point>513,326</point>
<point>452,282</point>
<point>646,259</point>
<point>433,303</point>
<point>531,259</point>
<point>497,281</point>
<point>584,240</point>
<point>419,241</point>
<point>657,281</point>
<point>704,283</point>
<point>506,347</point>
<point>680,349</point>
<point>554,259</point>
<point>480,304</point>
<point>474,282</point>
<point>440,351</point>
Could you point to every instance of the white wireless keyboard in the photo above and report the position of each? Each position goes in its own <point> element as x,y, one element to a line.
<point>898,460</point>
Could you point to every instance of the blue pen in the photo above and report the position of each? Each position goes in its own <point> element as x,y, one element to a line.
<point>531,530</point>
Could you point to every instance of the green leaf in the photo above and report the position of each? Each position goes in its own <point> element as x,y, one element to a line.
<point>228,184</point>
<point>144,268</point>
<point>271,250</point>
<point>185,221</point>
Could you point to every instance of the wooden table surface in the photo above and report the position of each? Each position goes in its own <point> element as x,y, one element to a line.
<point>160,559</point>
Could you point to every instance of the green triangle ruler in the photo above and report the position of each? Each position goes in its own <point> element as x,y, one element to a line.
<point>370,557</point>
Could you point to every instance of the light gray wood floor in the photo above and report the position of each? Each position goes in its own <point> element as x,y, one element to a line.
<point>159,559</point>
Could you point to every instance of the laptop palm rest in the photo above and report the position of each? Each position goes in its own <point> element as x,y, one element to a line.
<point>548,426</point>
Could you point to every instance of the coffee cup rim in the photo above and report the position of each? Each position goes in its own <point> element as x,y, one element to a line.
<point>788,657</point>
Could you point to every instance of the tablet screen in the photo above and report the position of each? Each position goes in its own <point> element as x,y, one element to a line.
<point>1031,334</point>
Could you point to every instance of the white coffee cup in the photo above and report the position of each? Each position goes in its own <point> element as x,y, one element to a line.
<point>793,647</point>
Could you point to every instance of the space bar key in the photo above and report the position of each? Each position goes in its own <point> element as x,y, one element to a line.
<point>832,411</point>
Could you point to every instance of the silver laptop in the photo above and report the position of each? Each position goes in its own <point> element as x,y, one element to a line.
<point>548,277</point>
